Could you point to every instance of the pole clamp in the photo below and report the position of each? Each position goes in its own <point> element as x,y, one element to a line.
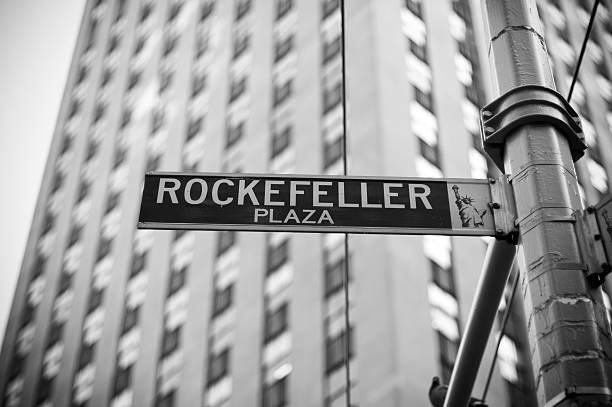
<point>591,243</point>
<point>523,105</point>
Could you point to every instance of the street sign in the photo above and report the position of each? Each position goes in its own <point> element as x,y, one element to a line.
<point>604,220</point>
<point>305,203</point>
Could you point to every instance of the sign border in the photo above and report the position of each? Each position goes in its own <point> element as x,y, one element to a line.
<point>316,229</point>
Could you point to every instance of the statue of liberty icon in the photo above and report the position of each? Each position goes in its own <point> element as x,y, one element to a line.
<point>608,221</point>
<point>471,217</point>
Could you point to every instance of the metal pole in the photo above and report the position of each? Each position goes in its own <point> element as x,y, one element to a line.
<point>569,333</point>
<point>495,271</point>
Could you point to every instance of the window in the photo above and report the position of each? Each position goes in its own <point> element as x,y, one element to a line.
<point>277,256</point>
<point>242,8</point>
<point>92,149</point>
<point>48,223</point>
<point>206,9</point>
<point>448,354</point>
<point>460,7</point>
<point>282,47</point>
<point>234,133</point>
<point>415,7</point>
<point>275,394</point>
<point>157,119</point>
<point>112,201</point>
<point>202,42</point>
<point>226,239</point>
<point>65,282</point>
<point>130,319</point>
<point>75,234</point>
<point>99,111</point>
<point>165,79</point>
<point>27,315</point>
<point>82,74</point>
<point>177,280</point>
<point>241,43</point>
<point>329,6</point>
<point>429,152</point>
<point>91,34</point>
<point>83,190</point>
<point>75,107</point>
<point>424,99</point>
<point>165,401</point>
<point>473,93</point>
<point>169,44</point>
<point>120,10</point>
<point>152,163</point>
<point>276,322</point>
<point>282,8</point>
<point>86,355</point>
<point>66,144</point>
<point>418,51</point>
<point>55,333</point>
<point>194,126</point>
<point>331,49</point>
<point>175,9</point>
<point>222,299</point>
<point>334,277</point>
<point>170,341</point>
<point>126,117</point>
<point>107,75</point>
<point>218,366</point>
<point>16,366</point>
<point>122,379</point>
<point>442,277</point>
<point>104,248</point>
<point>58,181</point>
<point>133,79</point>
<point>145,11</point>
<point>38,267</point>
<point>282,92</point>
<point>138,263</point>
<point>280,141</point>
<point>198,82</point>
<point>332,97</point>
<point>44,389</point>
<point>95,299</point>
<point>237,88</point>
<point>335,350</point>
<point>112,43</point>
<point>332,152</point>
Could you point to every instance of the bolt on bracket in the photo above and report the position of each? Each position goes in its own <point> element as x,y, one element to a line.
<point>525,105</point>
<point>591,246</point>
<point>504,209</point>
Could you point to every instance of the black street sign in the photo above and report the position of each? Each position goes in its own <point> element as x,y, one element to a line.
<point>305,203</point>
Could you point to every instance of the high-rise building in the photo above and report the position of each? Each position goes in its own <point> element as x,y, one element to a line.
<point>105,314</point>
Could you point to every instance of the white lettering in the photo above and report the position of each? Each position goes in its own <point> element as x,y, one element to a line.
<point>421,195</point>
<point>170,190</point>
<point>268,192</point>
<point>293,191</point>
<point>309,213</point>
<point>317,193</point>
<point>388,195</point>
<point>326,216</point>
<point>247,190</point>
<point>203,192</point>
<point>215,192</point>
<point>260,212</point>
<point>341,196</point>
<point>291,216</point>
<point>364,197</point>
<point>272,220</point>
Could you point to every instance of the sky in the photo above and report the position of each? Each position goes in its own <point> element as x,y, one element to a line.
<point>36,44</point>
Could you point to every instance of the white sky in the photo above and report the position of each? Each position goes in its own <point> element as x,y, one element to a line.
<point>36,43</point>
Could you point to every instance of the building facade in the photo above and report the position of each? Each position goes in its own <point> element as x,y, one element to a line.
<point>105,314</point>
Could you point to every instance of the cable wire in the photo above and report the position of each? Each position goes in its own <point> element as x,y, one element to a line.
<point>345,277</point>
<point>583,49</point>
<point>501,334</point>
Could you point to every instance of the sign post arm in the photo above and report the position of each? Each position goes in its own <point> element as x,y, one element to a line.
<point>495,271</point>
